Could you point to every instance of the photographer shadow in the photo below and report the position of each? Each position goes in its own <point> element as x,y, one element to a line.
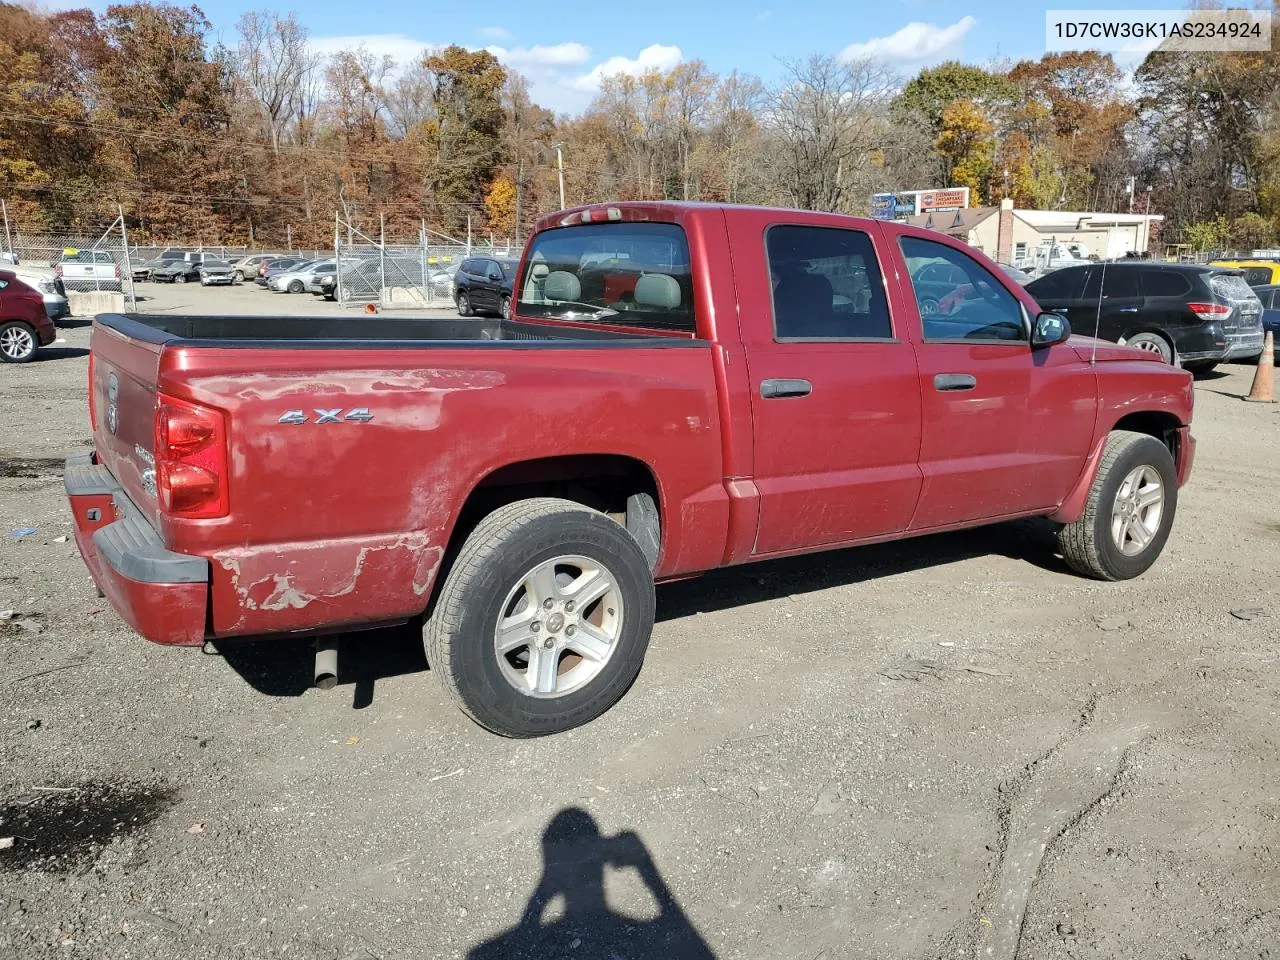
<point>575,856</point>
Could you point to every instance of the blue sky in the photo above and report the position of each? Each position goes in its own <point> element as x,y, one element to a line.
<point>565,46</point>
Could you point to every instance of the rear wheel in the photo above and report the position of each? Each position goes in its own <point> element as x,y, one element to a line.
<point>17,342</point>
<point>543,621</point>
<point>1152,343</point>
<point>1201,368</point>
<point>464,305</point>
<point>1129,513</point>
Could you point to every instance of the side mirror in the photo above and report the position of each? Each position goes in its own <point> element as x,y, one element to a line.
<point>1050,328</point>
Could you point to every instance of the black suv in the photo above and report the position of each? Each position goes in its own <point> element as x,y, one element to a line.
<point>1191,315</point>
<point>483,284</point>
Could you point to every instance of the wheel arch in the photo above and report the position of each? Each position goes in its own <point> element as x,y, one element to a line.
<point>620,486</point>
<point>1159,424</point>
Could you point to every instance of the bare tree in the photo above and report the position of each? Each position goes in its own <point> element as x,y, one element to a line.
<point>827,116</point>
<point>280,69</point>
<point>409,102</point>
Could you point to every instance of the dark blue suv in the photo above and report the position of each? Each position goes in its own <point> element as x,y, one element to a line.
<point>483,285</point>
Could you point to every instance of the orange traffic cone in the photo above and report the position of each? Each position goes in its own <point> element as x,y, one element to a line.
<point>1264,386</point>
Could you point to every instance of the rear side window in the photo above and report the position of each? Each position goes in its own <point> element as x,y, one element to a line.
<point>628,274</point>
<point>1165,283</point>
<point>826,285</point>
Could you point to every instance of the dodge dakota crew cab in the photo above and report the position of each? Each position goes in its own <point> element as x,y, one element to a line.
<point>678,387</point>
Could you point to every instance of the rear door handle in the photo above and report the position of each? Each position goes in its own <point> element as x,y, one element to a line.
<point>954,381</point>
<point>775,389</point>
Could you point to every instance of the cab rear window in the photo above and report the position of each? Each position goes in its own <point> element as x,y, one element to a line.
<point>624,274</point>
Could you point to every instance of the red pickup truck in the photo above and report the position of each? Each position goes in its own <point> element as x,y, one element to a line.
<point>679,387</point>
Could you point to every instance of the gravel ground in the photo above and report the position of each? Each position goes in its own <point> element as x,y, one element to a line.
<point>949,747</point>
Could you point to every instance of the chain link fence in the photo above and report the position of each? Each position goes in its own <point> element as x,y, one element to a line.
<point>391,274</point>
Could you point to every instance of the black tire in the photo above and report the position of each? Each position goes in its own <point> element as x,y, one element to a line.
<point>1153,343</point>
<point>295,286</point>
<point>464,306</point>
<point>503,548</point>
<point>18,342</point>
<point>1200,368</point>
<point>505,307</point>
<point>180,278</point>
<point>1087,545</point>
<point>238,277</point>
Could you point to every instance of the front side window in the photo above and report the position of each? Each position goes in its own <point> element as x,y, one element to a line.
<point>826,285</point>
<point>970,304</point>
<point>624,273</point>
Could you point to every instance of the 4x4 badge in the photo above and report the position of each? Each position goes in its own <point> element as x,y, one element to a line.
<point>336,415</point>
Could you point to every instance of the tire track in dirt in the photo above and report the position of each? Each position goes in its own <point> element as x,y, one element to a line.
<point>1035,812</point>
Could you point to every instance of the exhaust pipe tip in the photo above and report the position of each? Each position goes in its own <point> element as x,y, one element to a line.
<point>326,672</point>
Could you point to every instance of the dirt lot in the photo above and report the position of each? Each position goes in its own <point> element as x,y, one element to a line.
<point>946,748</point>
<point>247,299</point>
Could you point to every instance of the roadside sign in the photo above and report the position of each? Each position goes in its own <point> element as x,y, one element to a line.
<point>883,206</point>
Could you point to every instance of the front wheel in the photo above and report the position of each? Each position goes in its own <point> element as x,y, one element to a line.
<point>238,276</point>
<point>543,621</point>
<point>464,305</point>
<point>506,308</point>
<point>1129,513</point>
<point>295,286</point>
<point>181,278</point>
<point>17,342</point>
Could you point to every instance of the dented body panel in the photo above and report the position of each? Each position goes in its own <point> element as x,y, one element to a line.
<point>352,445</point>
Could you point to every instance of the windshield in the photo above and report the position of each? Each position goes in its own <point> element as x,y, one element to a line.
<point>630,274</point>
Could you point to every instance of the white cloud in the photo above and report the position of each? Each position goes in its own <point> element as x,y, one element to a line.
<point>497,33</point>
<point>401,47</point>
<point>559,74</point>
<point>917,42</point>
<point>764,15</point>
<point>541,57</point>
<point>654,57</point>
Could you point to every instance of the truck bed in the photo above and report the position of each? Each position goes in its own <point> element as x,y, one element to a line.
<point>351,332</point>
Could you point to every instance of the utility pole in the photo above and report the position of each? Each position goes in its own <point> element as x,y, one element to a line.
<point>124,241</point>
<point>288,232</point>
<point>468,234</point>
<point>560,171</point>
<point>519,192</point>
<point>1129,190</point>
<point>7,235</point>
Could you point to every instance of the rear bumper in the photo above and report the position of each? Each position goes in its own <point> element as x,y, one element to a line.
<point>1244,345</point>
<point>162,595</point>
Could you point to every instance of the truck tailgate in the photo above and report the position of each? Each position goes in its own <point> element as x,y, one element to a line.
<point>124,373</point>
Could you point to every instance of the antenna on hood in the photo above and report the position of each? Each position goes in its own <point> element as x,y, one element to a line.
<point>1097,324</point>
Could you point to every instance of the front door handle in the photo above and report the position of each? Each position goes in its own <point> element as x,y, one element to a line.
<point>775,389</point>
<point>1127,310</point>
<point>954,381</point>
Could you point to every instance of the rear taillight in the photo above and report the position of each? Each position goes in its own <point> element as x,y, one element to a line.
<point>191,459</point>
<point>93,406</point>
<point>1210,311</point>
<point>117,271</point>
